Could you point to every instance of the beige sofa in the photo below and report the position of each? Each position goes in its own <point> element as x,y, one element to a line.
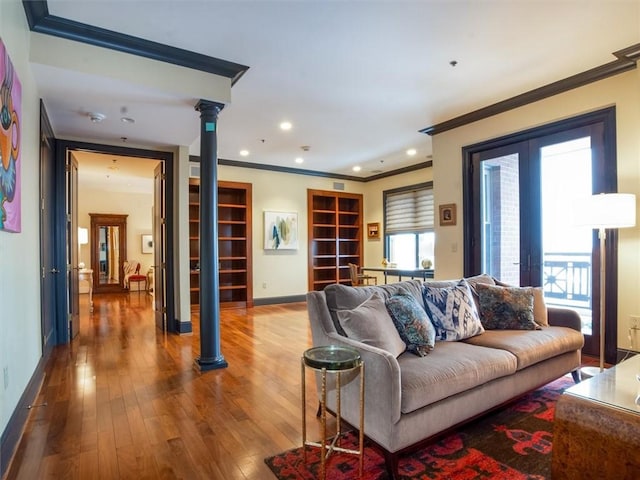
<point>410,399</point>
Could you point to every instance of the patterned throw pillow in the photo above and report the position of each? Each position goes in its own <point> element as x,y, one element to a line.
<point>370,323</point>
<point>452,311</point>
<point>540,312</point>
<point>506,308</point>
<point>412,323</point>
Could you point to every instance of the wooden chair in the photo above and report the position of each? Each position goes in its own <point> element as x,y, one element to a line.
<point>134,277</point>
<point>359,279</point>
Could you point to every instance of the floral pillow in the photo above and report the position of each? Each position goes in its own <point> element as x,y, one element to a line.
<point>452,311</point>
<point>506,308</point>
<point>412,323</point>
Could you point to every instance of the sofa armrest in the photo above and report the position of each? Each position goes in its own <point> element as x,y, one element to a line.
<point>564,317</point>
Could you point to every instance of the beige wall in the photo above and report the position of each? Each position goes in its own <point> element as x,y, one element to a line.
<point>623,91</point>
<point>20,348</point>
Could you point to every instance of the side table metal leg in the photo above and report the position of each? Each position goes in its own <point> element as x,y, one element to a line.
<point>338,410</point>
<point>304,410</point>
<point>323,451</point>
<point>361,419</point>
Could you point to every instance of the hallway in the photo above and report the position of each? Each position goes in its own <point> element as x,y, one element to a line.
<point>124,401</point>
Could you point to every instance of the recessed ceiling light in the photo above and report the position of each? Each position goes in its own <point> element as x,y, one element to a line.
<point>285,126</point>
<point>96,117</point>
<point>411,152</point>
<point>357,168</point>
<point>244,153</point>
<point>127,120</point>
<point>299,160</point>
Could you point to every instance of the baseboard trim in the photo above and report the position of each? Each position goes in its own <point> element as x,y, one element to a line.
<point>13,432</point>
<point>183,327</point>
<point>276,300</point>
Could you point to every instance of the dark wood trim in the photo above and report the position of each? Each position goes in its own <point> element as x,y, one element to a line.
<point>62,146</point>
<point>316,173</point>
<point>279,300</point>
<point>13,431</point>
<point>183,327</point>
<point>41,21</point>
<point>626,61</point>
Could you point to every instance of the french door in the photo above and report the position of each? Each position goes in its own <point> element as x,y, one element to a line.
<point>520,195</point>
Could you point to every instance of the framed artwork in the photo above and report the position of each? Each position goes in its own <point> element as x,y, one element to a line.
<point>280,230</point>
<point>448,214</point>
<point>147,243</point>
<point>10,133</point>
<point>373,230</point>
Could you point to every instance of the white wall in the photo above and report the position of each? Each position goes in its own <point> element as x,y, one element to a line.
<point>20,347</point>
<point>623,91</point>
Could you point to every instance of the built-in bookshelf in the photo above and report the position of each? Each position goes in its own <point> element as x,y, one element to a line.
<point>234,243</point>
<point>335,236</point>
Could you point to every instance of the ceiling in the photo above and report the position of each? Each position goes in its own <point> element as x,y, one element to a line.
<point>356,79</point>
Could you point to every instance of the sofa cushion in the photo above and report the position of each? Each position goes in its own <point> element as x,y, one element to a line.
<point>344,297</point>
<point>472,281</point>
<point>531,347</point>
<point>540,312</point>
<point>451,368</point>
<point>506,308</point>
<point>371,324</point>
<point>452,311</point>
<point>412,323</point>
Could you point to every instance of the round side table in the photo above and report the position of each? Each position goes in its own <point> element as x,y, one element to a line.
<point>332,359</point>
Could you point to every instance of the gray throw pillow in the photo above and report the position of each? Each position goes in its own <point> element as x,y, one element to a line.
<point>412,323</point>
<point>371,324</point>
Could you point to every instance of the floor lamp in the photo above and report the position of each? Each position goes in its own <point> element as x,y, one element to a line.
<point>605,211</point>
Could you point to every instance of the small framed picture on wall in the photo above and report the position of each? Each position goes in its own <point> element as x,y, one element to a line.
<point>373,230</point>
<point>448,214</point>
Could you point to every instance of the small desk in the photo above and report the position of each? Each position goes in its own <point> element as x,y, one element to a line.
<point>422,273</point>
<point>596,430</point>
<point>86,275</point>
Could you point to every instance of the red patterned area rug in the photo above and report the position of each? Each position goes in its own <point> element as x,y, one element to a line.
<point>513,443</point>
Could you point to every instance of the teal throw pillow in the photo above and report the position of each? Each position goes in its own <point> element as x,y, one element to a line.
<point>412,323</point>
<point>452,311</point>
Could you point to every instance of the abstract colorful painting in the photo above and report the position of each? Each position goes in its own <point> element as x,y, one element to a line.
<point>10,123</point>
<point>280,231</point>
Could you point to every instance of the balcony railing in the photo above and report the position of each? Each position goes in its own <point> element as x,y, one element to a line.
<point>567,283</point>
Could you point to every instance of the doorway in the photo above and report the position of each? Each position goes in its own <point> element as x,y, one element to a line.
<point>68,236</point>
<point>520,192</point>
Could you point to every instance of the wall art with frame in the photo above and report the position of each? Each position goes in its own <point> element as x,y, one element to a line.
<point>280,230</point>
<point>10,125</point>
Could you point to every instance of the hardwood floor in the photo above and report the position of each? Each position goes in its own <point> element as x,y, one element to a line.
<point>124,400</point>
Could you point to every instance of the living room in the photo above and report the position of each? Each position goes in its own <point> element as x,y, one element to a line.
<point>21,346</point>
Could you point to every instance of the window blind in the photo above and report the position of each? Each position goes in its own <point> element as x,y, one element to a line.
<point>409,211</point>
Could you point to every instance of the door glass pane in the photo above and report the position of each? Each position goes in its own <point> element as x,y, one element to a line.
<point>500,236</point>
<point>566,248</point>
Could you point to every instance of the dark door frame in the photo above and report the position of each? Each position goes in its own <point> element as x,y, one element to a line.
<point>604,180</point>
<point>62,287</point>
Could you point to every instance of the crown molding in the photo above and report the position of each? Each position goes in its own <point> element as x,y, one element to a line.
<point>41,21</point>
<point>625,60</point>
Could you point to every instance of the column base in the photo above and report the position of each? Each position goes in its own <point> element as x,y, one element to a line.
<point>206,364</point>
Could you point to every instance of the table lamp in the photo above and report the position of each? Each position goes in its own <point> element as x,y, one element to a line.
<point>605,211</point>
<point>83,239</point>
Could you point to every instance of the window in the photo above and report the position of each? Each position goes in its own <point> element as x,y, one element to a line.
<point>408,225</point>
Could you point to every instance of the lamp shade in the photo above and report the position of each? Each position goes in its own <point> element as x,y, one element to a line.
<point>83,236</point>
<point>607,210</point>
